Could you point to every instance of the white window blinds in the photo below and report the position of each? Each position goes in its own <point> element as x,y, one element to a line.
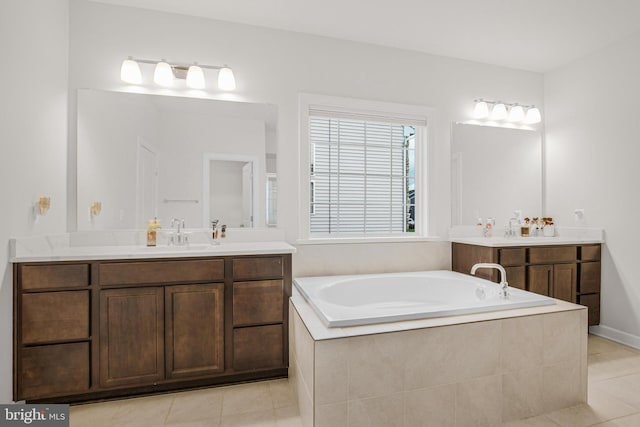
<point>362,172</point>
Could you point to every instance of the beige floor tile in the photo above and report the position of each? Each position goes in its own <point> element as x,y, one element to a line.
<point>615,363</point>
<point>629,421</point>
<point>148,411</point>
<point>539,421</point>
<point>288,416</point>
<point>199,423</point>
<point>626,389</point>
<point>265,418</point>
<point>93,415</point>
<point>282,393</point>
<point>197,405</point>
<point>601,407</point>
<point>246,398</point>
<point>597,345</point>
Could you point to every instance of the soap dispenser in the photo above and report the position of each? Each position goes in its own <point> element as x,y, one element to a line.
<point>152,234</point>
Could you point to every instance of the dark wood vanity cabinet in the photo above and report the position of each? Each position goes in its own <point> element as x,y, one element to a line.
<point>104,329</point>
<point>567,272</point>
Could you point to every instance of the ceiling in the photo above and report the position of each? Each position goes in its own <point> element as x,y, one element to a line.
<point>534,35</point>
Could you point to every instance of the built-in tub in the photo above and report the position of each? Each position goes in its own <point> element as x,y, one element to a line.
<point>376,298</point>
<point>484,369</point>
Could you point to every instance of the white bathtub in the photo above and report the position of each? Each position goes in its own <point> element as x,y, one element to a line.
<point>377,298</point>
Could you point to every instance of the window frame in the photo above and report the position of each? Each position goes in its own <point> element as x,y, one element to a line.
<point>383,110</point>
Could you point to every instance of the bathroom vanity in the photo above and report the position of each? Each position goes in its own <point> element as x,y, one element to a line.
<point>105,325</point>
<point>566,270</point>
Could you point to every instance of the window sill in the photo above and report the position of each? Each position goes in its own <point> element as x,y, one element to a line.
<point>367,240</point>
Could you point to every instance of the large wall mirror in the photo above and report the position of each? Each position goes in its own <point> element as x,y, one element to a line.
<point>143,156</point>
<point>495,171</point>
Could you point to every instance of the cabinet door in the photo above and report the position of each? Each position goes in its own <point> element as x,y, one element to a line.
<point>592,301</point>
<point>564,282</point>
<point>258,347</point>
<point>540,279</point>
<point>516,277</point>
<point>131,336</point>
<point>194,316</point>
<point>53,370</point>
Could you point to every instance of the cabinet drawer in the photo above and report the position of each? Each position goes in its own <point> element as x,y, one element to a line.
<point>590,253</point>
<point>54,276</point>
<point>550,255</point>
<point>593,305</point>
<point>257,268</point>
<point>512,256</point>
<point>55,316</point>
<point>258,347</point>
<point>161,272</point>
<point>257,302</point>
<point>54,370</point>
<point>589,277</point>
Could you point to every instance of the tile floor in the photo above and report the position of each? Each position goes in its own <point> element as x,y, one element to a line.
<point>614,401</point>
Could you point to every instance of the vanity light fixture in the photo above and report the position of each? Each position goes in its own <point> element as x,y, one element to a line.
<point>514,113</point>
<point>533,116</point>
<point>195,77</point>
<point>165,73</point>
<point>481,110</point>
<point>130,71</point>
<point>499,111</point>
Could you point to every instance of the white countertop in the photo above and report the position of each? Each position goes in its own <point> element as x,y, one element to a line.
<point>524,241</point>
<point>58,248</point>
<point>564,236</point>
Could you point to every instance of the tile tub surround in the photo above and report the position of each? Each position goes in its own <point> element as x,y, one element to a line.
<point>479,371</point>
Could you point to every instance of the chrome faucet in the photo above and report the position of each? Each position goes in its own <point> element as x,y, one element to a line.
<point>504,286</point>
<point>178,236</point>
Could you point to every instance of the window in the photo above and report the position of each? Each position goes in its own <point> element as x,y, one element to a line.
<point>363,173</point>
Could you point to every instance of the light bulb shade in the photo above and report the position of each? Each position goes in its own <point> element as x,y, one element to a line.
<point>163,75</point>
<point>516,114</point>
<point>533,116</point>
<point>130,72</point>
<point>481,110</point>
<point>195,77</point>
<point>226,80</point>
<point>499,112</point>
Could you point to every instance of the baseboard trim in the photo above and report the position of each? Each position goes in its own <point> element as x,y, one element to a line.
<point>616,335</point>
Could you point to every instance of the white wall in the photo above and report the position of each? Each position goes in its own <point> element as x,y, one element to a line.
<point>592,155</point>
<point>274,67</point>
<point>33,137</point>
